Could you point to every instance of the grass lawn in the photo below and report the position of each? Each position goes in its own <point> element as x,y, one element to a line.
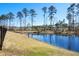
<point>20,44</point>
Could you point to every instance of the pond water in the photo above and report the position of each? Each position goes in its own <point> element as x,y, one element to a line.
<point>63,41</point>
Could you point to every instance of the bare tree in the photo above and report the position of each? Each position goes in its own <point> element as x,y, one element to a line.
<point>44,15</point>
<point>32,14</point>
<point>52,12</point>
<point>20,16</point>
<point>25,12</point>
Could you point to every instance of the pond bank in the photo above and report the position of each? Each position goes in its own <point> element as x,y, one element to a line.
<point>49,32</point>
<point>20,44</point>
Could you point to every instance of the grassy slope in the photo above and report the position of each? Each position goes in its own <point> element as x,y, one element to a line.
<point>19,44</point>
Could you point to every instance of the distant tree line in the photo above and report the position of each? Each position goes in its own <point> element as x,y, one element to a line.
<point>48,13</point>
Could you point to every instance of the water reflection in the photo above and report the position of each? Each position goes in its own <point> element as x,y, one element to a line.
<point>68,42</point>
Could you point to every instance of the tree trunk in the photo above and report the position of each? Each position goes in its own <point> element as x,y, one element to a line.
<point>50,24</point>
<point>44,22</point>
<point>8,23</point>
<point>73,22</point>
<point>2,35</point>
<point>32,22</point>
<point>20,25</point>
<point>69,25</point>
<point>25,24</point>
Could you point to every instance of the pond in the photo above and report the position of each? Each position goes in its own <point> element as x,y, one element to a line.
<point>64,41</point>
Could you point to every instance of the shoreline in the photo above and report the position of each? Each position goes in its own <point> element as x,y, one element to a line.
<point>69,33</point>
